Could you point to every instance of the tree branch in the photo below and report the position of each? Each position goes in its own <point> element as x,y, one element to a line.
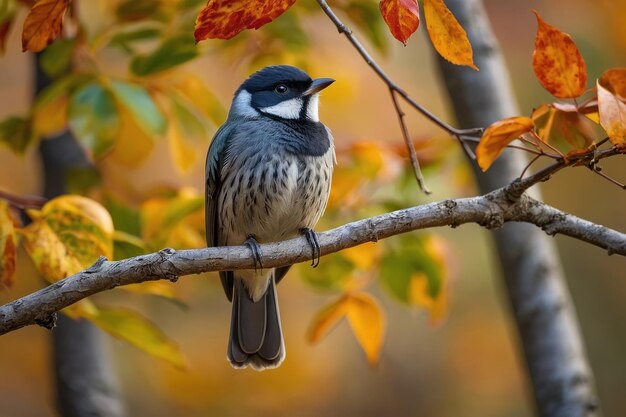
<point>491,211</point>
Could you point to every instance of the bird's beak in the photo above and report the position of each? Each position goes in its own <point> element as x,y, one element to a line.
<point>318,85</point>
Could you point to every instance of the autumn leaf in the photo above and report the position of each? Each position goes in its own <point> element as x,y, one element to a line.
<point>133,144</point>
<point>223,19</point>
<point>447,35</point>
<point>498,136</point>
<point>365,317</point>
<point>68,235</point>
<point>8,246</point>
<point>326,319</point>
<point>132,327</point>
<point>368,324</point>
<point>50,116</point>
<point>612,112</point>
<point>43,24</point>
<point>563,121</point>
<point>402,17</point>
<point>558,64</point>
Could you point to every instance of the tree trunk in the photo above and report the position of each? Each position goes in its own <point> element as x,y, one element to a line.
<point>555,357</point>
<point>84,381</point>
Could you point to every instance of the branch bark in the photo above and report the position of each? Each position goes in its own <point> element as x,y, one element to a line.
<point>555,356</point>
<point>491,211</point>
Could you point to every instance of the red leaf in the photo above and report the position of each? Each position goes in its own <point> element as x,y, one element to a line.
<point>223,19</point>
<point>402,17</point>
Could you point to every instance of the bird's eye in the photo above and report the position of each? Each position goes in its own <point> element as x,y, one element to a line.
<point>281,89</point>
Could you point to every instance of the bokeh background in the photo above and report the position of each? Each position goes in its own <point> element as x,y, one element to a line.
<point>470,365</point>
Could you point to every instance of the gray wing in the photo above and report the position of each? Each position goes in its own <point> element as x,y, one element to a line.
<point>213,182</point>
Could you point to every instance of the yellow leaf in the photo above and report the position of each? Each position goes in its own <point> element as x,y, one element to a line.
<point>368,324</point>
<point>326,319</point>
<point>43,24</point>
<point>498,136</point>
<point>133,144</point>
<point>161,218</point>
<point>196,92</point>
<point>558,64</point>
<point>183,151</point>
<point>50,117</point>
<point>612,112</point>
<point>8,247</point>
<point>68,235</point>
<point>447,35</point>
<point>132,327</point>
<point>161,288</point>
<point>364,256</point>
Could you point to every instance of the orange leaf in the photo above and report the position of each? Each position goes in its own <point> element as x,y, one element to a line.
<point>402,17</point>
<point>558,64</point>
<point>447,35</point>
<point>367,321</point>
<point>612,115</point>
<point>43,24</point>
<point>498,136</point>
<point>326,319</point>
<point>223,19</point>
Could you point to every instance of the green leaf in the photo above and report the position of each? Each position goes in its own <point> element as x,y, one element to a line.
<point>132,327</point>
<point>331,274</point>
<point>141,106</point>
<point>94,119</point>
<point>170,53</point>
<point>82,180</point>
<point>366,16</point>
<point>126,245</point>
<point>289,30</point>
<point>125,218</point>
<point>126,38</point>
<point>63,85</point>
<point>409,255</point>
<point>16,133</point>
<point>56,58</point>
<point>134,10</point>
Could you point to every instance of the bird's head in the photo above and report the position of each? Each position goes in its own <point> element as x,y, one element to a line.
<point>279,91</point>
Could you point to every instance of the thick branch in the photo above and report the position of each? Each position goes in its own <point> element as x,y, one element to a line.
<point>491,211</point>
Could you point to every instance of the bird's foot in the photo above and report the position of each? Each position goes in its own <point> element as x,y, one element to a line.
<point>254,247</point>
<point>316,252</point>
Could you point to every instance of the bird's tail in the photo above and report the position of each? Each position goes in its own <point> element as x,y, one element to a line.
<point>256,338</point>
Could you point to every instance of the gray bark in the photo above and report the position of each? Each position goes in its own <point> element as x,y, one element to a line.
<point>491,211</point>
<point>84,380</point>
<point>548,329</point>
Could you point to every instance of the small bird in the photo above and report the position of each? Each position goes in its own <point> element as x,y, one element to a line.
<point>268,175</point>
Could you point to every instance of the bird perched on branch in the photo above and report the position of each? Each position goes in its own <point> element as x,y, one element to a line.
<point>268,175</point>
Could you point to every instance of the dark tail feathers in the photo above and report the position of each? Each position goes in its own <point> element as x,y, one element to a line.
<point>256,337</point>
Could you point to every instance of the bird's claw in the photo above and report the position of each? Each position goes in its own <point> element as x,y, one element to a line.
<point>316,251</point>
<point>254,247</point>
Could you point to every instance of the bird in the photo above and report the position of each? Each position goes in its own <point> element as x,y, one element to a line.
<point>268,177</point>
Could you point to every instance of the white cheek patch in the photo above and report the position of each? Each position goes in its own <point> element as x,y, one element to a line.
<point>242,105</point>
<point>289,109</point>
<point>312,111</point>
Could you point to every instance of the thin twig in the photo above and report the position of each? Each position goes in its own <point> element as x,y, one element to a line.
<point>22,201</point>
<point>347,32</point>
<point>532,161</point>
<point>606,177</point>
<point>409,144</point>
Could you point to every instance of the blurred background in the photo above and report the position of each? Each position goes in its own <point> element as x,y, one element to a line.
<point>467,363</point>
